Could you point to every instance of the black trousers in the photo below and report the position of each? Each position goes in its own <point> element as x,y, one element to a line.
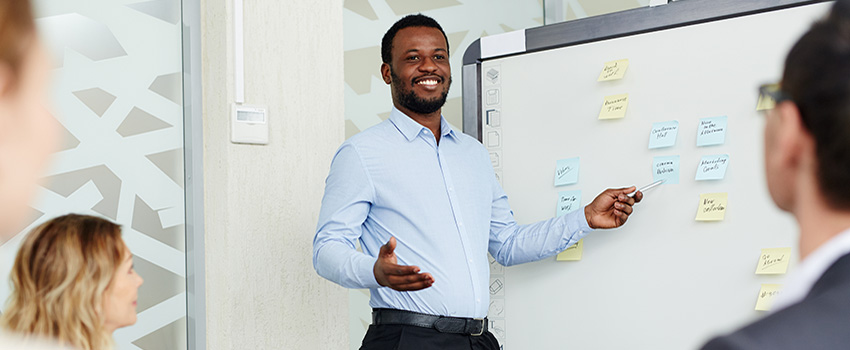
<point>400,337</point>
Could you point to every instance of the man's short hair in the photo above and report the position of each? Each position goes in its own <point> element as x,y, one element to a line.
<point>417,20</point>
<point>817,79</point>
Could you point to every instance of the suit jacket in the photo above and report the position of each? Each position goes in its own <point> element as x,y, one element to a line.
<point>820,321</point>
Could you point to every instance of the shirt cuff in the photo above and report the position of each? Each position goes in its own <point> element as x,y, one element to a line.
<point>581,221</point>
<point>576,228</point>
<point>366,271</point>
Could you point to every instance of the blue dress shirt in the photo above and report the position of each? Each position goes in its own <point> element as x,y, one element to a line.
<point>443,205</point>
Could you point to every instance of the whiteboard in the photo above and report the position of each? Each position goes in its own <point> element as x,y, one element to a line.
<point>664,280</point>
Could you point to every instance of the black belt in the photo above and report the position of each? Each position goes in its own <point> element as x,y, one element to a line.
<point>443,324</point>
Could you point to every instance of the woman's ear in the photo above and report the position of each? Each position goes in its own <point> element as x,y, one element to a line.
<point>7,79</point>
<point>6,88</point>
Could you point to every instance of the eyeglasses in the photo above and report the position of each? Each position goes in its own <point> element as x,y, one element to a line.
<point>770,95</point>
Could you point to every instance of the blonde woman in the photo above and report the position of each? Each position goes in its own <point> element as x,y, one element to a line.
<point>73,281</point>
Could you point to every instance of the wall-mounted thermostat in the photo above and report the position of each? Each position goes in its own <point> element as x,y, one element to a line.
<point>249,124</point>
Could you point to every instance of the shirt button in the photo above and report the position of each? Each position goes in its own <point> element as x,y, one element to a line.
<point>478,300</point>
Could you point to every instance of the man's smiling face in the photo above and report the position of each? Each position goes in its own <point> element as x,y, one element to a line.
<point>420,73</point>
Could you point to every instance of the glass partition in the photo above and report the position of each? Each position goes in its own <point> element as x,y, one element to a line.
<point>556,11</point>
<point>118,93</point>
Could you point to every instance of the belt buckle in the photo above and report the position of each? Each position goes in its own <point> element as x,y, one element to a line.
<point>481,330</point>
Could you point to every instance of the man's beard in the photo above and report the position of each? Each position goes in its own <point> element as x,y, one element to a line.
<point>408,98</point>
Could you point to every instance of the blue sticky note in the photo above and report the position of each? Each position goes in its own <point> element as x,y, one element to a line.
<point>568,201</point>
<point>566,171</point>
<point>666,168</point>
<point>663,134</point>
<point>712,167</point>
<point>711,131</point>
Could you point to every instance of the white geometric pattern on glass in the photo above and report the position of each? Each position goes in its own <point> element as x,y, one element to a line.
<point>117,91</point>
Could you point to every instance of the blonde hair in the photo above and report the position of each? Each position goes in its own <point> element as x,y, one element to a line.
<point>59,278</point>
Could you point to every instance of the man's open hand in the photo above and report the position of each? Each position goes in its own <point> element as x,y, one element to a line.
<point>611,208</point>
<point>389,273</point>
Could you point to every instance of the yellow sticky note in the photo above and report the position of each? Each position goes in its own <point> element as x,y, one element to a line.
<point>573,253</point>
<point>765,102</point>
<point>712,206</point>
<point>614,106</point>
<point>613,70</point>
<point>767,295</point>
<point>773,261</point>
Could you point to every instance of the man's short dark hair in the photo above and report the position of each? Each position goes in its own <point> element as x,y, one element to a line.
<point>817,78</point>
<point>417,20</point>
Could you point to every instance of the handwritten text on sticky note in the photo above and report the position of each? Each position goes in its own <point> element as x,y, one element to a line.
<point>712,206</point>
<point>614,106</point>
<point>666,168</point>
<point>711,131</point>
<point>767,295</point>
<point>573,253</point>
<point>568,201</point>
<point>773,261</point>
<point>712,167</point>
<point>614,70</point>
<point>566,171</point>
<point>663,134</point>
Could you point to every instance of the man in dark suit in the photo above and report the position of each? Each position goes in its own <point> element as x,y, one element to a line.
<point>807,163</point>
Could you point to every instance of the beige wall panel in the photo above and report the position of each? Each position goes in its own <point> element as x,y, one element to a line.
<point>262,202</point>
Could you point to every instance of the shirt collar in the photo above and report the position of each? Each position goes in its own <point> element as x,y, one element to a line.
<point>410,128</point>
<point>803,278</point>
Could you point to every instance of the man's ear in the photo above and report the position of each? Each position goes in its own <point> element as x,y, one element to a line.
<point>386,73</point>
<point>794,140</point>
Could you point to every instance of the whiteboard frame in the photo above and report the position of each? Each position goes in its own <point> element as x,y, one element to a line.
<point>605,27</point>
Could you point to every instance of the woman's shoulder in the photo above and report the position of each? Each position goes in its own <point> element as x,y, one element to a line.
<point>12,342</point>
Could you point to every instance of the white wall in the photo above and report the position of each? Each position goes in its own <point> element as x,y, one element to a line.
<point>262,202</point>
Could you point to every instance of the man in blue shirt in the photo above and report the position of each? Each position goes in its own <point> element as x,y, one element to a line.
<point>424,202</point>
